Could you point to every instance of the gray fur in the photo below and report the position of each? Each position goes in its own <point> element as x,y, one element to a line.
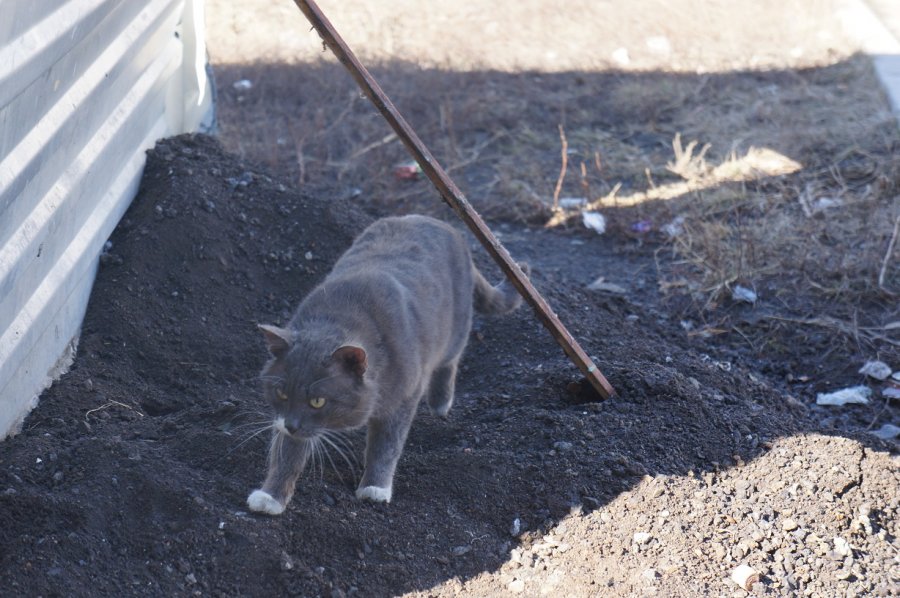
<point>385,329</point>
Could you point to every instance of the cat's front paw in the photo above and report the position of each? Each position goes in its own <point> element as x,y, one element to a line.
<point>263,502</point>
<point>374,493</point>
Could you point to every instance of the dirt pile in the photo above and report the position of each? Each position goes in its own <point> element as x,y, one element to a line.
<point>131,475</point>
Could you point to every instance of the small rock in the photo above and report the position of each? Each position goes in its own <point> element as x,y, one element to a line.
<point>642,537</point>
<point>516,528</point>
<point>719,550</point>
<point>287,563</point>
<point>650,575</point>
<point>460,550</point>
<point>516,586</point>
<point>190,578</point>
<point>789,525</point>
<point>562,446</point>
<point>842,547</point>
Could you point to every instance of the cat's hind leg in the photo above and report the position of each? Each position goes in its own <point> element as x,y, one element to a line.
<point>287,458</point>
<point>441,389</point>
<point>384,445</point>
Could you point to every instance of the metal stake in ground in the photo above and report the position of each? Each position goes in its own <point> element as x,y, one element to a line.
<point>454,197</point>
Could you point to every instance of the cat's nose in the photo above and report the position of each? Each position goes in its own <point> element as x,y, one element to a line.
<point>292,426</point>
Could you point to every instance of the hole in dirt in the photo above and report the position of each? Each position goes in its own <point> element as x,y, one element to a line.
<point>581,391</point>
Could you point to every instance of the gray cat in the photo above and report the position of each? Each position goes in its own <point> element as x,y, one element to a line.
<point>386,328</point>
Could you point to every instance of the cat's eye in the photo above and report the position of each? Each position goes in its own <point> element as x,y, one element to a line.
<point>317,402</point>
<point>280,395</point>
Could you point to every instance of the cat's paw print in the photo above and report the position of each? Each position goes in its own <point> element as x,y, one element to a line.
<point>374,493</point>
<point>262,502</point>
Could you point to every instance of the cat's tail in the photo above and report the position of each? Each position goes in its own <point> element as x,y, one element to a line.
<point>500,299</point>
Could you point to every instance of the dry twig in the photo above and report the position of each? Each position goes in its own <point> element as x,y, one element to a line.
<point>888,253</point>
<point>109,404</point>
<point>562,170</point>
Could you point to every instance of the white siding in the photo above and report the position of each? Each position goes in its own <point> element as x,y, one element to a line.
<point>86,86</point>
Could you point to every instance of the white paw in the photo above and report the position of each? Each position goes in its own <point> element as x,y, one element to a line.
<point>262,502</point>
<point>374,493</point>
<point>443,410</point>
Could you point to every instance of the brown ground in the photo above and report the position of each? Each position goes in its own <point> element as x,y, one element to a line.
<point>131,475</point>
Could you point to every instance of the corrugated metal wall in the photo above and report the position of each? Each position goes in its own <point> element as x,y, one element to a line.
<point>86,86</point>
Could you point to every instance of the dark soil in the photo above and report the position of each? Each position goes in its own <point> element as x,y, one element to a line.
<point>130,478</point>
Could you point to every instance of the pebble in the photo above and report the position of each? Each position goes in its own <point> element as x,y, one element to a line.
<point>650,575</point>
<point>516,528</point>
<point>842,547</point>
<point>516,586</point>
<point>642,537</point>
<point>461,550</point>
<point>789,525</point>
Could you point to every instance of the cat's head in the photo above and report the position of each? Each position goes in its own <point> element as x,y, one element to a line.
<point>314,386</point>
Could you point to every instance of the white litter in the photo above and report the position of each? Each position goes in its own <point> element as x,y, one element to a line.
<point>887,432</point>
<point>876,369</point>
<point>659,44</point>
<point>739,293</point>
<point>855,394</point>
<point>242,85</point>
<point>621,57</point>
<point>595,221</point>
<point>674,228</point>
<point>601,285</point>
<point>745,576</point>
<point>569,203</point>
<point>824,203</point>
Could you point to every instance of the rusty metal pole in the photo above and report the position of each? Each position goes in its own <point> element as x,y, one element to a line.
<point>454,197</point>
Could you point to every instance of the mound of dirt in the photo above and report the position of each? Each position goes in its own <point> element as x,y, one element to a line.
<point>131,475</point>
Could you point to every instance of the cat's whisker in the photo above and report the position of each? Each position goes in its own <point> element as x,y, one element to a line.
<point>316,445</point>
<point>250,437</point>
<point>342,451</point>
<point>266,422</point>
<point>330,460</point>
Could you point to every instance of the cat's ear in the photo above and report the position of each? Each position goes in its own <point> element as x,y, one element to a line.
<point>352,359</point>
<point>278,340</point>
